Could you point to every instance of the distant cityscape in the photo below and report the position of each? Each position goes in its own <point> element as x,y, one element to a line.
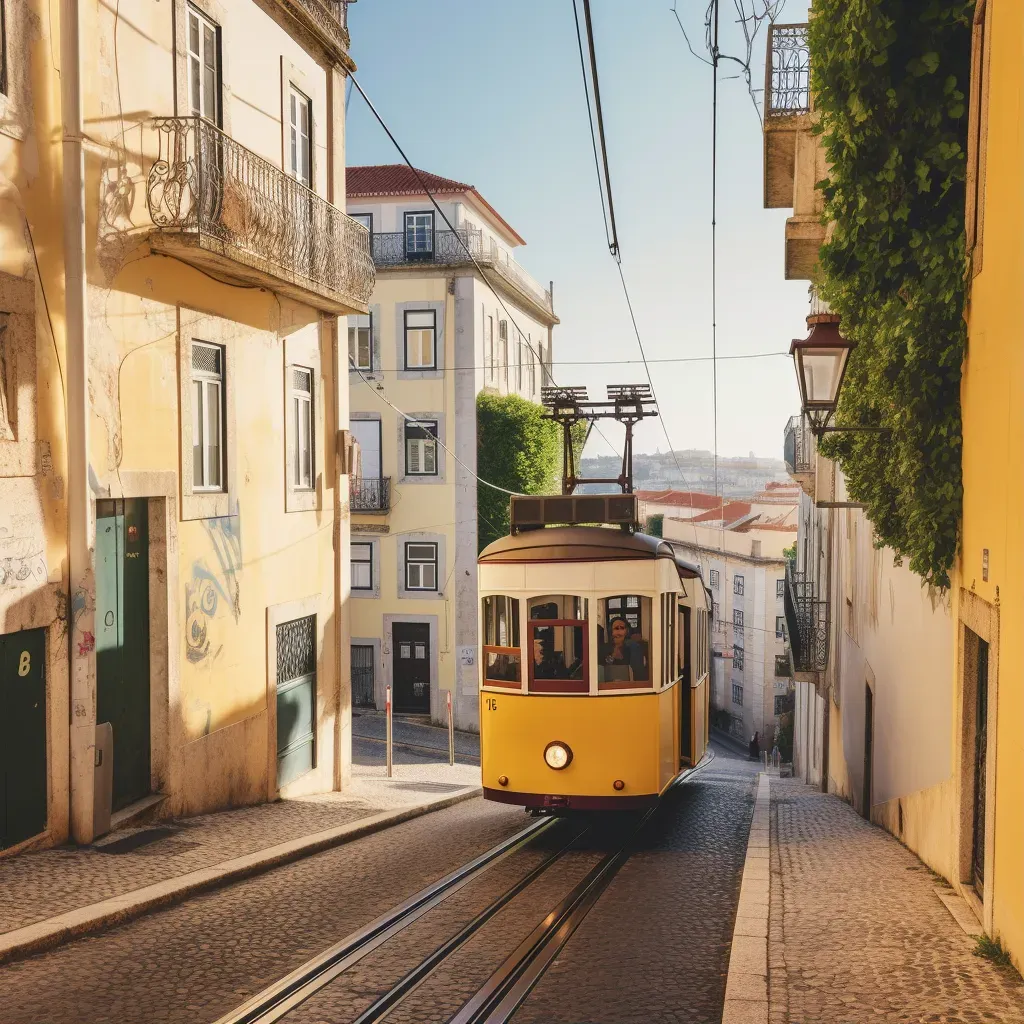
<point>738,477</point>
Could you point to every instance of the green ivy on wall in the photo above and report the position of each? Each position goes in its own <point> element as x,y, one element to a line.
<point>516,449</point>
<point>890,80</point>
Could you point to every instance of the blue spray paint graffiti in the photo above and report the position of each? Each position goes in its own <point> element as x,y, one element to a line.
<point>208,588</point>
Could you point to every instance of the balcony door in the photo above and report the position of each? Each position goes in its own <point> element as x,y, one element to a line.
<point>299,160</point>
<point>419,236</point>
<point>367,433</point>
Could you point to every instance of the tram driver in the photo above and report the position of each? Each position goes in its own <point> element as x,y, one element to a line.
<point>622,657</point>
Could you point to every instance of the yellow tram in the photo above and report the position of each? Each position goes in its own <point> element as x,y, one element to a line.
<point>594,682</point>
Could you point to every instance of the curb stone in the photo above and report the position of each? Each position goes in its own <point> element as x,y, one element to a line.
<point>746,987</point>
<point>55,931</point>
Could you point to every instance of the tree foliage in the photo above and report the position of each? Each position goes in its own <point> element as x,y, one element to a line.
<point>517,450</point>
<point>890,83</point>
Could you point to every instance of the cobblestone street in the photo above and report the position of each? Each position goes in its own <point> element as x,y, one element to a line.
<point>857,931</point>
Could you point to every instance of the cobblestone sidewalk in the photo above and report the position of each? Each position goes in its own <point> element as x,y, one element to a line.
<point>857,931</point>
<point>36,887</point>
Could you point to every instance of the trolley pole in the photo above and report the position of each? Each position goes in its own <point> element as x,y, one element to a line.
<point>451,731</point>
<point>387,720</point>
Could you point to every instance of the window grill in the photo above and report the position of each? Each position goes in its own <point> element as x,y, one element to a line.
<point>206,359</point>
<point>296,648</point>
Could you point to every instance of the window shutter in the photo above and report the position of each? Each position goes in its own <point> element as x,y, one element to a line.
<point>413,448</point>
<point>429,456</point>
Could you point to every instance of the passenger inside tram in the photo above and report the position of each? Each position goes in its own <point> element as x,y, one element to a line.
<point>623,648</point>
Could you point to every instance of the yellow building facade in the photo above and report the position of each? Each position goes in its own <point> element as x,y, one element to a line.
<point>440,329</point>
<point>173,536</point>
<point>988,589</point>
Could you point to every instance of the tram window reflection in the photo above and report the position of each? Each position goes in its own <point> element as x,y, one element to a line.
<point>624,639</point>
<point>502,655</point>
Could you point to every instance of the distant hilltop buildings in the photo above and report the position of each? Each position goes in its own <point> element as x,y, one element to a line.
<point>737,477</point>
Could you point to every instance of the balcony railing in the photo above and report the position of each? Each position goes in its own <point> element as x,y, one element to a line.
<point>207,191</point>
<point>798,446</point>
<point>787,88</point>
<point>807,622</point>
<point>390,249</point>
<point>370,494</point>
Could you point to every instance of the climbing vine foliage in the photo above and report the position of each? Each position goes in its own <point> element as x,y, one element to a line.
<point>890,80</point>
<point>517,450</point>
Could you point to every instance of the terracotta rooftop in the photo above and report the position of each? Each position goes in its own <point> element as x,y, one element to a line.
<point>689,499</point>
<point>730,512</point>
<point>382,180</point>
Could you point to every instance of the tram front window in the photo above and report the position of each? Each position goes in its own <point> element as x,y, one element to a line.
<point>623,641</point>
<point>502,655</point>
<point>558,644</point>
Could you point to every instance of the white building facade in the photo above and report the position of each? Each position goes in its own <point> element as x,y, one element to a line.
<point>440,330</point>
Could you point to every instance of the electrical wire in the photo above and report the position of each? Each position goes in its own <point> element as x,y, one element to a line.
<point>714,239</point>
<point>462,242</point>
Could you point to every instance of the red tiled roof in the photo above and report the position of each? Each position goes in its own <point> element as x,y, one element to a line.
<point>396,180</point>
<point>730,512</point>
<point>690,499</point>
<point>778,527</point>
<point>371,180</point>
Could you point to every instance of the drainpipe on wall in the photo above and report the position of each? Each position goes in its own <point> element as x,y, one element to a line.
<point>81,611</point>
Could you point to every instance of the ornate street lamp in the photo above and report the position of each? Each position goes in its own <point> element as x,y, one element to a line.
<point>821,359</point>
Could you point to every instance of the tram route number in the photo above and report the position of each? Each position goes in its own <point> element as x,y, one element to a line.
<point>492,704</point>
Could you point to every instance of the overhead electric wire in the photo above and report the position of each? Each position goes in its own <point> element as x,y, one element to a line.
<point>714,240</point>
<point>462,242</point>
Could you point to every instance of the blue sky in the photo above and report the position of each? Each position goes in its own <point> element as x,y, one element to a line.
<point>491,93</point>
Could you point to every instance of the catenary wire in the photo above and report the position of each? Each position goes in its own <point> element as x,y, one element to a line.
<point>480,270</point>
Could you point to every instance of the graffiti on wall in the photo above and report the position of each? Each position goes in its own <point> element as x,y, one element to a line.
<point>213,588</point>
<point>22,558</point>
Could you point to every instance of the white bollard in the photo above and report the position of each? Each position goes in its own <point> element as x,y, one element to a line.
<point>387,719</point>
<point>451,732</point>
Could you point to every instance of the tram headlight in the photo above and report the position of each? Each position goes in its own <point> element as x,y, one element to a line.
<point>557,755</point>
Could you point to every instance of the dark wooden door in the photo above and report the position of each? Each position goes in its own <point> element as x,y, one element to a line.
<point>122,641</point>
<point>22,735</point>
<point>362,676</point>
<point>869,742</point>
<point>411,667</point>
<point>296,698</point>
<point>980,760</point>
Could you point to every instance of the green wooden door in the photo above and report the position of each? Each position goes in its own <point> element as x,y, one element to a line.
<point>296,698</point>
<point>22,735</point>
<point>122,641</point>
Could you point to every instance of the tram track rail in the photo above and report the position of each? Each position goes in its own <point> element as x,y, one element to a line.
<point>508,987</point>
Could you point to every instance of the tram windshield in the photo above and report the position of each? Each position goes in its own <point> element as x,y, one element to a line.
<point>623,639</point>
<point>502,655</point>
<point>558,644</point>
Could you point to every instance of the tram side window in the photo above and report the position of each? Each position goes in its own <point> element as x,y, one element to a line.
<point>624,639</point>
<point>503,659</point>
<point>558,644</point>
<point>669,672</point>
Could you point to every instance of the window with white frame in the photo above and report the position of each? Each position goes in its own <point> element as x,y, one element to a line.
<point>519,363</point>
<point>366,219</point>
<point>533,374</point>
<point>780,588</point>
<point>421,448</point>
<point>420,566</point>
<point>714,579</point>
<point>362,565</point>
<point>737,694</point>
<point>207,417</point>
<point>737,585</point>
<point>737,658</point>
<point>419,235</point>
<point>203,66</point>
<point>300,136</point>
<point>420,339</point>
<point>489,354</point>
<point>780,627</point>
<point>360,342</point>
<point>302,422</point>
<point>503,347</point>
<point>737,617</point>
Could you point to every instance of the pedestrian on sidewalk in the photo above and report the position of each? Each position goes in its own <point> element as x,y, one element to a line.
<point>776,756</point>
<point>755,748</point>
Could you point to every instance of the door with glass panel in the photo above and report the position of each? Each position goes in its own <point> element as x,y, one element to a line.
<point>411,667</point>
<point>300,168</point>
<point>204,94</point>
<point>419,236</point>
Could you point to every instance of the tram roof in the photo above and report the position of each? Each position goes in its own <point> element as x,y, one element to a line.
<point>583,544</point>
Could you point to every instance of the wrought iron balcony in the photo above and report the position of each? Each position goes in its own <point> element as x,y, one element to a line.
<point>390,249</point>
<point>370,493</point>
<point>787,87</point>
<point>798,447</point>
<point>214,203</point>
<point>807,622</point>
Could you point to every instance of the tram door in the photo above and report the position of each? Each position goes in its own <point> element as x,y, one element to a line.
<point>411,667</point>
<point>685,693</point>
